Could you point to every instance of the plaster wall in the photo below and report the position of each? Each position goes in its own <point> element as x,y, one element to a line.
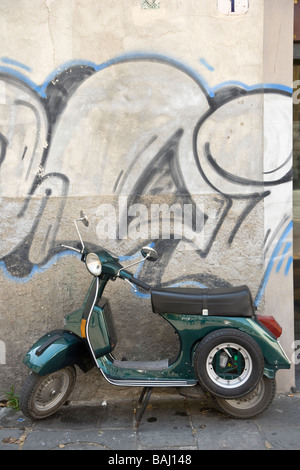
<point>117,108</point>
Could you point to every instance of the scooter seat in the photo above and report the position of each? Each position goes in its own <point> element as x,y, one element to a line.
<point>229,301</point>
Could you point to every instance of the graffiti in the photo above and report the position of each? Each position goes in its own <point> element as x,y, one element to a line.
<point>295,355</point>
<point>193,144</point>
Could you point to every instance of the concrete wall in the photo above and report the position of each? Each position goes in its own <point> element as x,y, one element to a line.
<point>117,107</point>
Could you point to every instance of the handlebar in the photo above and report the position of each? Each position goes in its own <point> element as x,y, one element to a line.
<point>139,283</point>
<point>126,275</point>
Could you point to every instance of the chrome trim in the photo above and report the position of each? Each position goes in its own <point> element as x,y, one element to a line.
<point>283,352</point>
<point>129,266</point>
<point>88,322</point>
<point>149,382</point>
<point>82,217</point>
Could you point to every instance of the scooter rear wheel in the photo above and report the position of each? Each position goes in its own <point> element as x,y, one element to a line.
<point>252,404</point>
<point>41,396</point>
<point>228,363</point>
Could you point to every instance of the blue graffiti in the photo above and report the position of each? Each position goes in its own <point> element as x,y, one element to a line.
<point>216,97</point>
<point>274,257</point>
<point>37,269</point>
<point>138,56</point>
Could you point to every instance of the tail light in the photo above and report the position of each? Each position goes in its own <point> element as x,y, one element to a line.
<point>271,324</point>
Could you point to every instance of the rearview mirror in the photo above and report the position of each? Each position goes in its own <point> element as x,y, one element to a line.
<point>149,253</point>
<point>84,219</point>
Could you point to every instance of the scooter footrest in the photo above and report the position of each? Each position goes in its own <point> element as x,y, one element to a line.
<point>229,301</point>
<point>143,365</point>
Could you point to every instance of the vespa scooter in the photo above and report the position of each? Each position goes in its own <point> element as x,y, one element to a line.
<point>225,347</point>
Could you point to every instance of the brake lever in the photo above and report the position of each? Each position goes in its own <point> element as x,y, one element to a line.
<point>131,284</point>
<point>71,248</point>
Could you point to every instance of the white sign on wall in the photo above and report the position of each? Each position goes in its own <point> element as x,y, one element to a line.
<point>2,353</point>
<point>233,7</point>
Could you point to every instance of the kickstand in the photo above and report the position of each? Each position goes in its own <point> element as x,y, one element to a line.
<point>145,390</point>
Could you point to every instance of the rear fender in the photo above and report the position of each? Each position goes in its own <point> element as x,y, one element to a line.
<point>56,350</point>
<point>274,355</point>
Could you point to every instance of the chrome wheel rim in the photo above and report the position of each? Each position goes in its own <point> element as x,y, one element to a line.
<point>239,375</point>
<point>250,400</point>
<point>51,391</point>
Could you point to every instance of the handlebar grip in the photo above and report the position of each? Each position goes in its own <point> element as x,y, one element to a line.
<point>139,283</point>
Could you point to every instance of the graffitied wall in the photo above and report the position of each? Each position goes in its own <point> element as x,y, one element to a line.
<point>144,117</point>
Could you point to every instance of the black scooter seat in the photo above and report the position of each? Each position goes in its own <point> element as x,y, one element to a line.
<point>229,301</point>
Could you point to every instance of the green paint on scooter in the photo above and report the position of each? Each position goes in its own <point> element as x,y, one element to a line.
<point>89,337</point>
<point>67,347</point>
<point>56,350</point>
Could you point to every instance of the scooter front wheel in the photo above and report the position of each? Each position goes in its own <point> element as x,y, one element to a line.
<point>228,363</point>
<point>252,404</point>
<point>41,396</point>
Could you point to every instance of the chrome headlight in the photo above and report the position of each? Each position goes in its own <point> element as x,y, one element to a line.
<point>93,264</point>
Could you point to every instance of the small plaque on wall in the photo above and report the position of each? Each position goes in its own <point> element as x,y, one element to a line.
<point>233,7</point>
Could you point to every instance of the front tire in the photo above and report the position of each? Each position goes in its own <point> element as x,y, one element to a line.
<point>41,396</point>
<point>252,404</point>
<point>228,363</point>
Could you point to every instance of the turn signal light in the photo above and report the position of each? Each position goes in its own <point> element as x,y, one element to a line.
<point>271,324</point>
<point>82,328</point>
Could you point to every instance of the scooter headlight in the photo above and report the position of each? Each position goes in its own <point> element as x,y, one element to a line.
<point>93,264</point>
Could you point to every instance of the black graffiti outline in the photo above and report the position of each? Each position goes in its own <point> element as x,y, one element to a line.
<point>58,92</point>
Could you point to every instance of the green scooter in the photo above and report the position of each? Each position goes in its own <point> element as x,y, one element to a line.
<point>225,347</point>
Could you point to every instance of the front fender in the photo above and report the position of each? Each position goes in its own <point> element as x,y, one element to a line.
<point>56,350</point>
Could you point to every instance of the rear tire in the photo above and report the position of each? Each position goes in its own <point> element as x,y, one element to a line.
<point>228,363</point>
<point>41,396</point>
<point>252,404</point>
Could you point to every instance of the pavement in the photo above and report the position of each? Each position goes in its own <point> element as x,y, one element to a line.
<point>173,424</point>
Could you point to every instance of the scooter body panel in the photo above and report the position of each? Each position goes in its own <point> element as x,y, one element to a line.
<point>88,339</point>
<point>192,328</point>
<point>60,348</point>
<point>56,350</point>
